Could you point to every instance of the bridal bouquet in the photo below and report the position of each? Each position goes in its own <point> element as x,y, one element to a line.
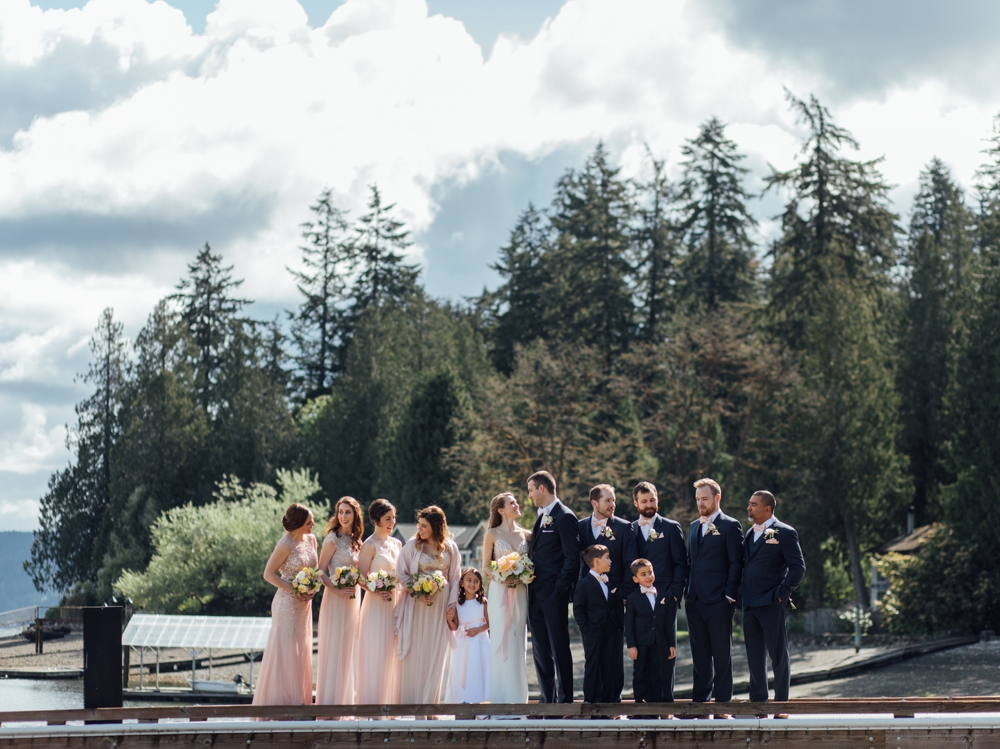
<point>426,585</point>
<point>512,569</point>
<point>380,581</point>
<point>345,577</point>
<point>306,581</point>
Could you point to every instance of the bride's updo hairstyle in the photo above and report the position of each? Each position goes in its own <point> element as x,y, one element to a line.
<point>379,509</point>
<point>497,504</point>
<point>295,517</point>
<point>434,516</point>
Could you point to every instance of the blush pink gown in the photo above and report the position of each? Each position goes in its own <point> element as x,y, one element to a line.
<point>338,633</point>
<point>378,667</point>
<point>286,669</point>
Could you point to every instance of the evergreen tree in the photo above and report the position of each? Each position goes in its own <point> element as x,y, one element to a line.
<point>517,312</point>
<point>318,325</point>
<point>381,242</point>
<point>67,547</point>
<point>988,194</point>
<point>829,285</point>
<point>656,265</point>
<point>591,272</point>
<point>935,300</point>
<point>211,314</point>
<point>719,264</point>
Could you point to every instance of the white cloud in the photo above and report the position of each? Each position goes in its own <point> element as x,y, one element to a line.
<point>37,447</point>
<point>18,515</point>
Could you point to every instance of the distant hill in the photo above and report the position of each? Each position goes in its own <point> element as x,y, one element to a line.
<point>16,589</point>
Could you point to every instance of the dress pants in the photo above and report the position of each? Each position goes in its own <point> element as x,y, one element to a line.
<point>764,631</point>
<point>548,619</point>
<point>710,632</point>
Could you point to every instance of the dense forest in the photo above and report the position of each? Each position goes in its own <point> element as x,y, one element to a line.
<point>851,366</point>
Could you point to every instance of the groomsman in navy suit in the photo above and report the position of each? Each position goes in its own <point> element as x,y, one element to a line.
<point>555,551</point>
<point>772,569</point>
<point>715,550</point>
<point>602,527</point>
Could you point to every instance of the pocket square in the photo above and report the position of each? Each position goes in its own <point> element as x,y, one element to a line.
<point>771,541</point>
<point>663,600</point>
<point>614,590</point>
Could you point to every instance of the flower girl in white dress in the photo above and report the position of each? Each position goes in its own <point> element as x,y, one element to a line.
<point>471,677</point>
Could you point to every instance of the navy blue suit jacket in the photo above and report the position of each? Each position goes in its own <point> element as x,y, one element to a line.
<point>555,550</point>
<point>667,554</point>
<point>716,561</point>
<point>616,545</point>
<point>772,568</point>
<point>645,625</point>
<point>595,614</point>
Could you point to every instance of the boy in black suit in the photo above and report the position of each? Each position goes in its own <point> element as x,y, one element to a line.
<point>598,614</point>
<point>651,636</point>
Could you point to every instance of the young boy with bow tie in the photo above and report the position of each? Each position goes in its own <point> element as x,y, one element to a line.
<point>597,610</point>
<point>651,636</point>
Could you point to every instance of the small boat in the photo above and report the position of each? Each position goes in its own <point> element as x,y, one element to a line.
<point>49,631</point>
<point>236,686</point>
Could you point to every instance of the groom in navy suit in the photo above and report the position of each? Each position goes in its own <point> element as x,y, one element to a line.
<point>602,527</point>
<point>555,551</point>
<point>772,569</point>
<point>715,548</point>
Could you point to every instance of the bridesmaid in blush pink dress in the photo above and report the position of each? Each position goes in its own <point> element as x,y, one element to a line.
<point>378,667</point>
<point>338,611</point>
<point>286,670</point>
<point>424,641</point>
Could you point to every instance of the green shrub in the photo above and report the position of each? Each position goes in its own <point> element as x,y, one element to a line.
<point>209,559</point>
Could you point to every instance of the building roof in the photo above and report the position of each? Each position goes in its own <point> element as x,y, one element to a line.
<point>463,535</point>
<point>908,543</point>
<point>248,633</point>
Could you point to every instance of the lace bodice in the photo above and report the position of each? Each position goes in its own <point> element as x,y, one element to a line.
<point>344,556</point>
<point>386,554</point>
<point>301,554</point>
<point>501,548</point>
<point>440,563</point>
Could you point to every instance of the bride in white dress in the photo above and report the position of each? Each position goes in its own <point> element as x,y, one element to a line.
<point>508,607</point>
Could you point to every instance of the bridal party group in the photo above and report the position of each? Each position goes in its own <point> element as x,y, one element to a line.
<point>406,624</point>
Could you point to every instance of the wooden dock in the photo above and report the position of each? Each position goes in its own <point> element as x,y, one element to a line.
<point>924,723</point>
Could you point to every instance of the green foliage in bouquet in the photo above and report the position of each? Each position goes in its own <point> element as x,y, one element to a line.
<point>209,559</point>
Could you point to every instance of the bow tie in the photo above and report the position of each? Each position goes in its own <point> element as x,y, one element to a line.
<point>758,528</point>
<point>598,523</point>
<point>647,591</point>
<point>704,520</point>
<point>603,579</point>
<point>646,521</point>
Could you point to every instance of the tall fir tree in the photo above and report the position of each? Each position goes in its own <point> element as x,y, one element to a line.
<point>591,293</point>
<point>935,302</point>
<point>828,291</point>
<point>719,264</point>
<point>656,248</point>
<point>318,325</point>
<point>988,196</point>
<point>517,312</point>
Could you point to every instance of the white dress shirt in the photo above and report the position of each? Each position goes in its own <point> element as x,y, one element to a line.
<point>604,585</point>
<point>704,526</point>
<point>768,524</point>
<point>646,526</point>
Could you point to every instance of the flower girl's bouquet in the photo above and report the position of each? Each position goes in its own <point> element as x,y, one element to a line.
<point>380,581</point>
<point>425,585</point>
<point>512,569</point>
<point>346,577</point>
<point>307,580</point>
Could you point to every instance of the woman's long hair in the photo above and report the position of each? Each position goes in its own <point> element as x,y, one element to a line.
<point>357,527</point>
<point>497,504</point>
<point>435,517</point>
<point>480,594</point>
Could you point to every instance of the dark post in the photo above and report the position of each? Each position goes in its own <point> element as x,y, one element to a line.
<point>102,656</point>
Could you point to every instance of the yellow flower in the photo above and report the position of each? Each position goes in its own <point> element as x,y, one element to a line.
<point>427,586</point>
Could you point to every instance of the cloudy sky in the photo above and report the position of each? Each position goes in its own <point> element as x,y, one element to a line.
<point>131,132</point>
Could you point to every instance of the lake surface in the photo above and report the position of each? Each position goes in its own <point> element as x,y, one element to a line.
<point>48,694</point>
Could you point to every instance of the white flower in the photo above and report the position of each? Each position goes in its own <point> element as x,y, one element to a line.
<point>653,535</point>
<point>546,521</point>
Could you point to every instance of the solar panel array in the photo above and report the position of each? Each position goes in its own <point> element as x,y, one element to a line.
<point>224,632</point>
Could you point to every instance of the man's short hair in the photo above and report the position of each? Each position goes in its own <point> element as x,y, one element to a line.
<point>594,552</point>
<point>595,493</point>
<point>643,487</point>
<point>639,564</point>
<point>766,498</point>
<point>543,478</point>
<point>709,482</point>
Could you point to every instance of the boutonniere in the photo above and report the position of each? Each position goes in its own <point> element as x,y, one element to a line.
<point>608,533</point>
<point>770,533</point>
<point>712,530</point>
<point>546,521</point>
<point>653,535</point>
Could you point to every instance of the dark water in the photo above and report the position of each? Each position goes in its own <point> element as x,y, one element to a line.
<point>46,694</point>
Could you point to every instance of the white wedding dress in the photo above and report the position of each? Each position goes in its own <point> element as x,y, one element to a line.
<point>508,609</point>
